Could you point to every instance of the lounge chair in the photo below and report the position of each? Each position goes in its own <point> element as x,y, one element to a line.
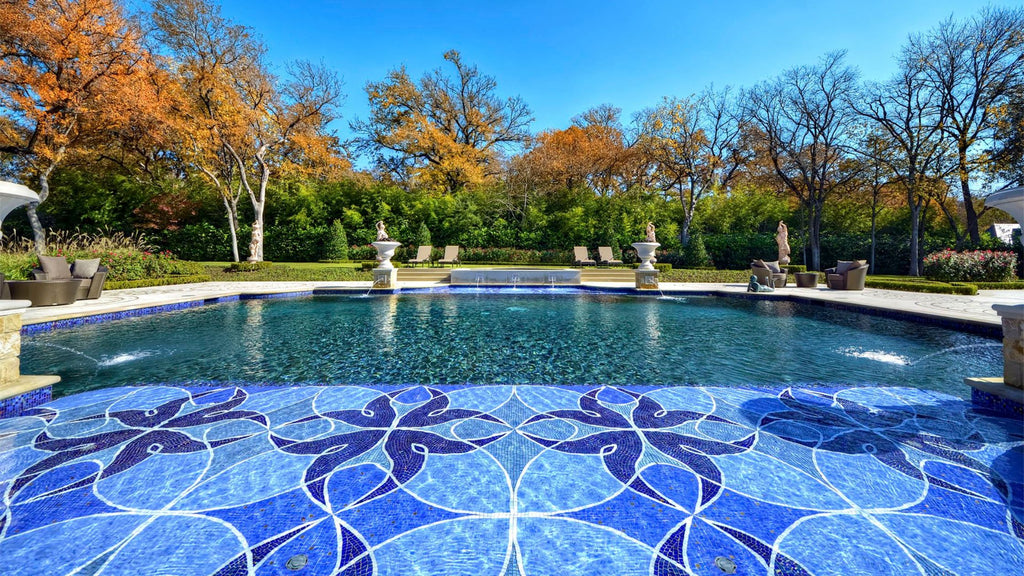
<point>422,255</point>
<point>605,256</point>
<point>769,273</point>
<point>847,275</point>
<point>89,272</point>
<point>451,256</point>
<point>582,257</point>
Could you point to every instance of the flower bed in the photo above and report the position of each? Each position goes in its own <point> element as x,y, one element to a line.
<point>975,266</point>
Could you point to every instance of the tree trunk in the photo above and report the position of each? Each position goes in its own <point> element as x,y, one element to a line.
<point>915,225</point>
<point>38,233</point>
<point>972,214</point>
<point>814,236</point>
<point>874,218</point>
<point>232,210</point>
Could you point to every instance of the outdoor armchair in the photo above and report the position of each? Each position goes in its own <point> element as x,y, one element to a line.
<point>89,271</point>
<point>847,275</point>
<point>582,258</point>
<point>606,257</point>
<point>769,273</point>
<point>451,256</point>
<point>422,255</point>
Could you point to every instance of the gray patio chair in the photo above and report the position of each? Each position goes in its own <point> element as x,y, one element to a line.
<point>847,275</point>
<point>92,275</point>
<point>605,256</point>
<point>451,256</point>
<point>422,255</point>
<point>582,257</point>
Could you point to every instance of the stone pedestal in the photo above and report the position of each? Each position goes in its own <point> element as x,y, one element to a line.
<point>646,279</point>
<point>18,392</point>
<point>385,278</point>
<point>1013,343</point>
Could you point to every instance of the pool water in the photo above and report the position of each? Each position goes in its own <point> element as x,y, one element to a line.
<point>443,339</point>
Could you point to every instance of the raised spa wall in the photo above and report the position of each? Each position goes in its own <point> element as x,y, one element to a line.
<point>18,392</point>
<point>512,277</point>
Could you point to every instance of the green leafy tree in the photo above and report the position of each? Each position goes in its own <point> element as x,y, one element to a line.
<point>423,235</point>
<point>337,242</point>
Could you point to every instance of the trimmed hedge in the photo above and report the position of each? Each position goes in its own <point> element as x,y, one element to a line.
<point>1015,285</point>
<point>248,266</point>
<point>147,282</point>
<point>927,286</point>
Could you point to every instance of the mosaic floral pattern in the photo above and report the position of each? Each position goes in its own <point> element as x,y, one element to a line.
<point>511,480</point>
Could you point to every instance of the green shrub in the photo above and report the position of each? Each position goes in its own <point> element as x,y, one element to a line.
<point>1012,285</point>
<point>662,267</point>
<point>17,265</point>
<point>695,254</point>
<point>706,275</point>
<point>794,268</point>
<point>978,265</point>
<point>921,286</point>
<point>147,282</point>
<point>336,247</point>
<point>248,266</point>
<point>367,266</point>
<point>202,241</point>
<point>422,237</point>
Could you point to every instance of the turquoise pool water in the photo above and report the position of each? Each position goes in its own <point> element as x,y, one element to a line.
<point>444,339</point>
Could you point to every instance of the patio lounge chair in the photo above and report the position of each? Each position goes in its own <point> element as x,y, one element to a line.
<point>605,256</point>
<point>582,257</point>
<point>89,272</point>
<point>422,255</point>
<point>769,273</point>
<point>451,256</point>
<point>847,275</point>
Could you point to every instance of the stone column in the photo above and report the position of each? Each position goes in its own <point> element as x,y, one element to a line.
<point>1013,343</point>
<point>18,392</point>
<point>10,347</point>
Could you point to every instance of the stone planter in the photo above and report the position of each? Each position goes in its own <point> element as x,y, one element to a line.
<point>645,251</point>
<point>385,251</point>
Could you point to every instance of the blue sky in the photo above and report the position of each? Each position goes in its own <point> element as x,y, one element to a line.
<point>563,57</point>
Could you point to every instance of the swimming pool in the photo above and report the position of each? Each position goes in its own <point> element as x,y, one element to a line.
<point>511,338</point>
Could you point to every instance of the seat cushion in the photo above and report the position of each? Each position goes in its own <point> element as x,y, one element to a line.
<point>773,266</point>
<point>757,264</point>
<point>85,268</point>
<point>56,267</point>
<point>843,266</point>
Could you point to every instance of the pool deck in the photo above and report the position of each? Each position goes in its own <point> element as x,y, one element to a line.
<point>971,310</point>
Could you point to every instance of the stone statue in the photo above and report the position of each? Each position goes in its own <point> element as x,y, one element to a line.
<point>782,239</point>
<point>650,233</point>
<point>753,286</point>
<point>382,234</point>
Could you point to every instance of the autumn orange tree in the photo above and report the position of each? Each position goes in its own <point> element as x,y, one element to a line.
<point>72,73</point>
<point>444,132</point>
<point>238,124</point>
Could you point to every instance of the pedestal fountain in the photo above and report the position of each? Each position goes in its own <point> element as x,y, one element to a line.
<point>647,274</point>
<point>385,275</point>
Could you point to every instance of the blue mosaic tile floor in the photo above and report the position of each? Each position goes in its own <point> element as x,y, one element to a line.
<point>503,480</point>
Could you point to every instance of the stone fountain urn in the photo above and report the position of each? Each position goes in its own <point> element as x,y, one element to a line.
<point>385,251</point>
<point>645,251</point>
<point>385,275</point>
